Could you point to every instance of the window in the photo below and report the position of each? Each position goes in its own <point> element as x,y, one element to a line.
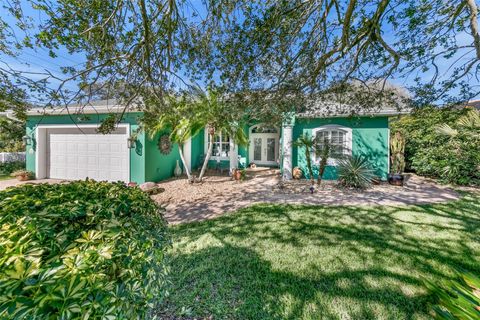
<point>221,145</point>
<point>339,139</point>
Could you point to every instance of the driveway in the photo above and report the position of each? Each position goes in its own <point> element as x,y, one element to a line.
<point>218,195</point>
<point>4,184</point>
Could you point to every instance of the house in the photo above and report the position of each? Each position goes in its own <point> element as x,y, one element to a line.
<point>64,143</point>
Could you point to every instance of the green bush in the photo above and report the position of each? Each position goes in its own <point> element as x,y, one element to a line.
<point>80,250</point>
<point>9,167</point>
<point>355,172</point>
<point>431,153</point>
<point>457,299</point>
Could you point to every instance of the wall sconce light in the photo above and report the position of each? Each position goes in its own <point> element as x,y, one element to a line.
<point>131,142</point>
<point>27,140</point>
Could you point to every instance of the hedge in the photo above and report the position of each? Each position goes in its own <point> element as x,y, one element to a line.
<point>83,250</point>
<point>429,153</point>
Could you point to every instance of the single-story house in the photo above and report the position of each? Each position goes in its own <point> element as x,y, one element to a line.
<point>65,144</point>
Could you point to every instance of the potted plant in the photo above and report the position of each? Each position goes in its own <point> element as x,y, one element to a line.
<point>22,175</point>
<point>397,159</point>
<point>239,174</point>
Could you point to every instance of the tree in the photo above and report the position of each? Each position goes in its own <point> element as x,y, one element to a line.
<point>325,154</point>
<point>314,45</point>
<point>308,144</point>
<point>176,121</point>
<point>218,117</point>
<point>11,133</point>
<point>267,54</point>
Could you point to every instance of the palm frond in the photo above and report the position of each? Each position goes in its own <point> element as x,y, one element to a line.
<point>446,130</point>
<point>470,120</point>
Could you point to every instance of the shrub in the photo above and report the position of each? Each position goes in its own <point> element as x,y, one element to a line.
<point>457,299</point>
<point>355,172</point>
<point>7,168</point>
<point>80,250</point>
<point>428,152</point>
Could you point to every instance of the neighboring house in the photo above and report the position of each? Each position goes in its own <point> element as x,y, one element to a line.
<point>473,104</point>
<point>65,145</point>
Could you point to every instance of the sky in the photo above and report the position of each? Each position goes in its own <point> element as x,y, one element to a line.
<point>36,62</point>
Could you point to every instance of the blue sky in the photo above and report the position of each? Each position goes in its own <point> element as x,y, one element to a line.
<point>35,62</point>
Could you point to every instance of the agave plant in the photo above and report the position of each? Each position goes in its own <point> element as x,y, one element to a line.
<point>458,299</point>
<point>355,172</point>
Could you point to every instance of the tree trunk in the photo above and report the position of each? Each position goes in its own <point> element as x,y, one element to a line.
<point>185,167</point>
<point>321,170</point>
<point>323,162</point>
<point>309,164</point>
<point>207,158</point>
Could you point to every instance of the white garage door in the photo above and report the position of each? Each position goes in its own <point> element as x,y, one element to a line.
<point>75,156</point>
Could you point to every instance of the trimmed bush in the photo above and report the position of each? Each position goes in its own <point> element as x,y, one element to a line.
<point>80,250</point>
<point>7,168</point>
<point>431,153</point>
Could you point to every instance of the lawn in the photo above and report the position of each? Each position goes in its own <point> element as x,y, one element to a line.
<point>5,177</point>
<point>308,262</point>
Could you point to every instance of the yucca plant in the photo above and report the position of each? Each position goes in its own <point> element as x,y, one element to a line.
<point>355,172</point>
<point>458,299</point>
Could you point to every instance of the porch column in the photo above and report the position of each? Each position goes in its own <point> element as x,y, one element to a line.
<point>287,152</point>
<point>233,155</point>
<point>187,153</point>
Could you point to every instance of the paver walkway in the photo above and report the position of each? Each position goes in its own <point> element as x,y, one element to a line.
<point>218,195</point>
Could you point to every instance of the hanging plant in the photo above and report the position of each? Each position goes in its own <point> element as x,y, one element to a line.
<point>164,144</point>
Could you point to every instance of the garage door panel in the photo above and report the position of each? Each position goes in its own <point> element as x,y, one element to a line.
<point>96,156</point>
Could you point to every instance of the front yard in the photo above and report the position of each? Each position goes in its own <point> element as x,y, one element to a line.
<point>317,262</point>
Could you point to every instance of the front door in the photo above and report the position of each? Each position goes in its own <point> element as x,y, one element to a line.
<point>264,148</point>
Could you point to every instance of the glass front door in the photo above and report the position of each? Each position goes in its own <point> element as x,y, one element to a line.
<point>264,148</point>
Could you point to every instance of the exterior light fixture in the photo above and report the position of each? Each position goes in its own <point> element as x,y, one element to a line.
<point>131,142</point>
<point>27,140</point>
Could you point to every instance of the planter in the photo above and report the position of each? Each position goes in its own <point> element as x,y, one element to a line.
<point>237,174</point>
<point>23,177</point>
<point>396,179</point>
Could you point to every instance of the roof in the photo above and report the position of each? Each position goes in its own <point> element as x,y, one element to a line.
<point>374,98</point>
<point>334,109</point>
<point>93,107</point>
<point>474,103</point>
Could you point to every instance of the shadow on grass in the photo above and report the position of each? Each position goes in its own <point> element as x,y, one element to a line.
<point>308,262</point>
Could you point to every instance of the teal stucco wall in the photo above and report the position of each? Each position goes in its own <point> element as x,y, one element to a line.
<point>369,139</point>
<point>138,155</point>
<point>159,166</point>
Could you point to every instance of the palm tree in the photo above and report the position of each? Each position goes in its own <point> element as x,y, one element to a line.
<point>307,142</point>
<point>218,118</point>
<point>182,128</point>
<point>470,122</point>
<point>325,154</point>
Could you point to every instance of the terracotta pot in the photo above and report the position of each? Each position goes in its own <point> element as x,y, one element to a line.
<point>22,177</point>
<point>237,174</point>
<point>396,179</point>
<point>297,173</point>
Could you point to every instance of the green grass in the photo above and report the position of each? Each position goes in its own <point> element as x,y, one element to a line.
<point>5,177</point>
<point>306,262</point>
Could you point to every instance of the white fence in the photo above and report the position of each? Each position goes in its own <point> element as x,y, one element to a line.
<point>11,156</point>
